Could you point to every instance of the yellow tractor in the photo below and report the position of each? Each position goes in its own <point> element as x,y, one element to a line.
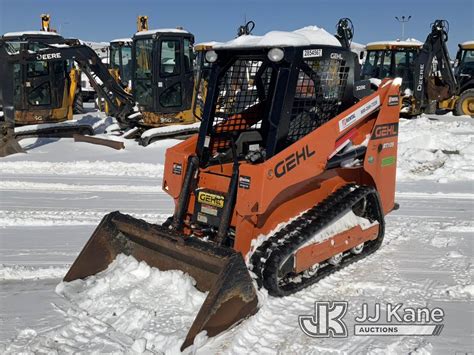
<point>428,80</point>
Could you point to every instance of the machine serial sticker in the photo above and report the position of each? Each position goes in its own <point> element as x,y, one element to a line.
<point>211,199</point>
<point>393,100</point>
<point>177,169</point>
<point>244,182</point>
<point>201,218</point>
<point>209,210</point>
<point>360,113</point>
<point>312,53</point>
<point>388,161</point>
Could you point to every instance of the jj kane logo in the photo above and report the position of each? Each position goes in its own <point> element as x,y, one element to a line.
<point>384,319</point>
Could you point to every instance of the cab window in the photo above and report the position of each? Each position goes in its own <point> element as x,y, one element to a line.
<point>188,57</point>
<point>144,49</point>
<point>169,58</point>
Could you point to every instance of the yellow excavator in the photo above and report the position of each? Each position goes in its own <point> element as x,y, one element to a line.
<point>162,80</point>
<point>42,62</point>
<point>45,92</point>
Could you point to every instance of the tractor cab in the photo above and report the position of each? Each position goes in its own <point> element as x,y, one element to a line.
<point>390,60</point>
<point>162,74</point>
<point>120,59</point>
<point>464,66</point>
<point>41,88</point>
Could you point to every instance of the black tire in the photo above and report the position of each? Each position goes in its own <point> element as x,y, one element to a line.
<point>78,107</point>
<point>465,104</point>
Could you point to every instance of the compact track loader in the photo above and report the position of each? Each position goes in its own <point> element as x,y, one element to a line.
<point>290,177</point>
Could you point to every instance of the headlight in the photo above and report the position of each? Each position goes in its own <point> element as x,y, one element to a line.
<point>275,54</point>
<point>211,56</point>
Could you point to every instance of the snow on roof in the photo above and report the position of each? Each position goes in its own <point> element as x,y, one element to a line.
<point>160,30</point>
<point>311,35</point>
<point>207,44</point>
<point>410,42</point>
<point>121,40</point>
<point>36,33</point>
<point>467,43</point>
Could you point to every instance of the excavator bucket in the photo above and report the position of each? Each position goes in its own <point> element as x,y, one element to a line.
<point>8,144</point>
<point>220,271</point>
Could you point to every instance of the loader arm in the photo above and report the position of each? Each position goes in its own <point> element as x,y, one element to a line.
<point>89,62</point>
<point>434,47</point>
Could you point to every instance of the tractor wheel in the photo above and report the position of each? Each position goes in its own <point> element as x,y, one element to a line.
<point>465,103</point>
<point>78,107</point>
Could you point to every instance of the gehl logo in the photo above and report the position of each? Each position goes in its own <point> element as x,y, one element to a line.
<point>211,199</point>
<point>292,161</point>
<point>48,56</point>
<point>385,131</point>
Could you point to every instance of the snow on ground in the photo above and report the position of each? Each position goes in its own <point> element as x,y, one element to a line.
<point>53,197</point>
<point>436,148</point>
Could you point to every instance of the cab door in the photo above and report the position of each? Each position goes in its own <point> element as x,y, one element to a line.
<point>44,82</point>
<point>175,80</point>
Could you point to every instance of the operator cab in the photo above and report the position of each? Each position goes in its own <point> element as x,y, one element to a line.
<point>390,60</point>
<point>39,86</point>
<point>263,97</point>
<point>121,59</point>
<point>162,70</point>
<point>464,66</point>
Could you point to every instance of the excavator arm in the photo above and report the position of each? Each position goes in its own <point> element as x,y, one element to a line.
<point>434,50</point>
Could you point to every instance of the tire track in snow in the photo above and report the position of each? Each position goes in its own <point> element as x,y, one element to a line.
<point>52,187</point>
<point>81,168</point>
<point>28,218</point>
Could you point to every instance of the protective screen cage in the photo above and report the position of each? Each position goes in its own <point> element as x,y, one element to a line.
<point>319,94</point>
<point>242,94</point>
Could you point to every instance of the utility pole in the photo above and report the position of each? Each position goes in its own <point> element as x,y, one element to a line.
<point>403,20</point>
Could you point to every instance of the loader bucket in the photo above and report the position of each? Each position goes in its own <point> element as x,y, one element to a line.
<point>8,144</point>
<point>221,271</point>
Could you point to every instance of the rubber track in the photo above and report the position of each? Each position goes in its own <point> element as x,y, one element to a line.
<point>271,254</point>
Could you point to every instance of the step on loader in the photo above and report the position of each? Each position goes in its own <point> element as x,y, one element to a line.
<point>289,136</point>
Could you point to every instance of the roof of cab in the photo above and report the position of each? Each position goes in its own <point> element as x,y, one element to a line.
<point>306,36</point>
<point>31,33</point>
<point>161,30</point>
<point>121,40</point>
<point>411,43</point>
<point>467,45</point>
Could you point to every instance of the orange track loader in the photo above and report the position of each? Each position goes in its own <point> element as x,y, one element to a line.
<point>290,176</point>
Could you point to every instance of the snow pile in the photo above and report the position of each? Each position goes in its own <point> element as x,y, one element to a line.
<point>439,150</point>
<point>19,272</point>
<point>347,221</point>
<point>125,296</point>
<point>306,36</point>
<point>134,307</point>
